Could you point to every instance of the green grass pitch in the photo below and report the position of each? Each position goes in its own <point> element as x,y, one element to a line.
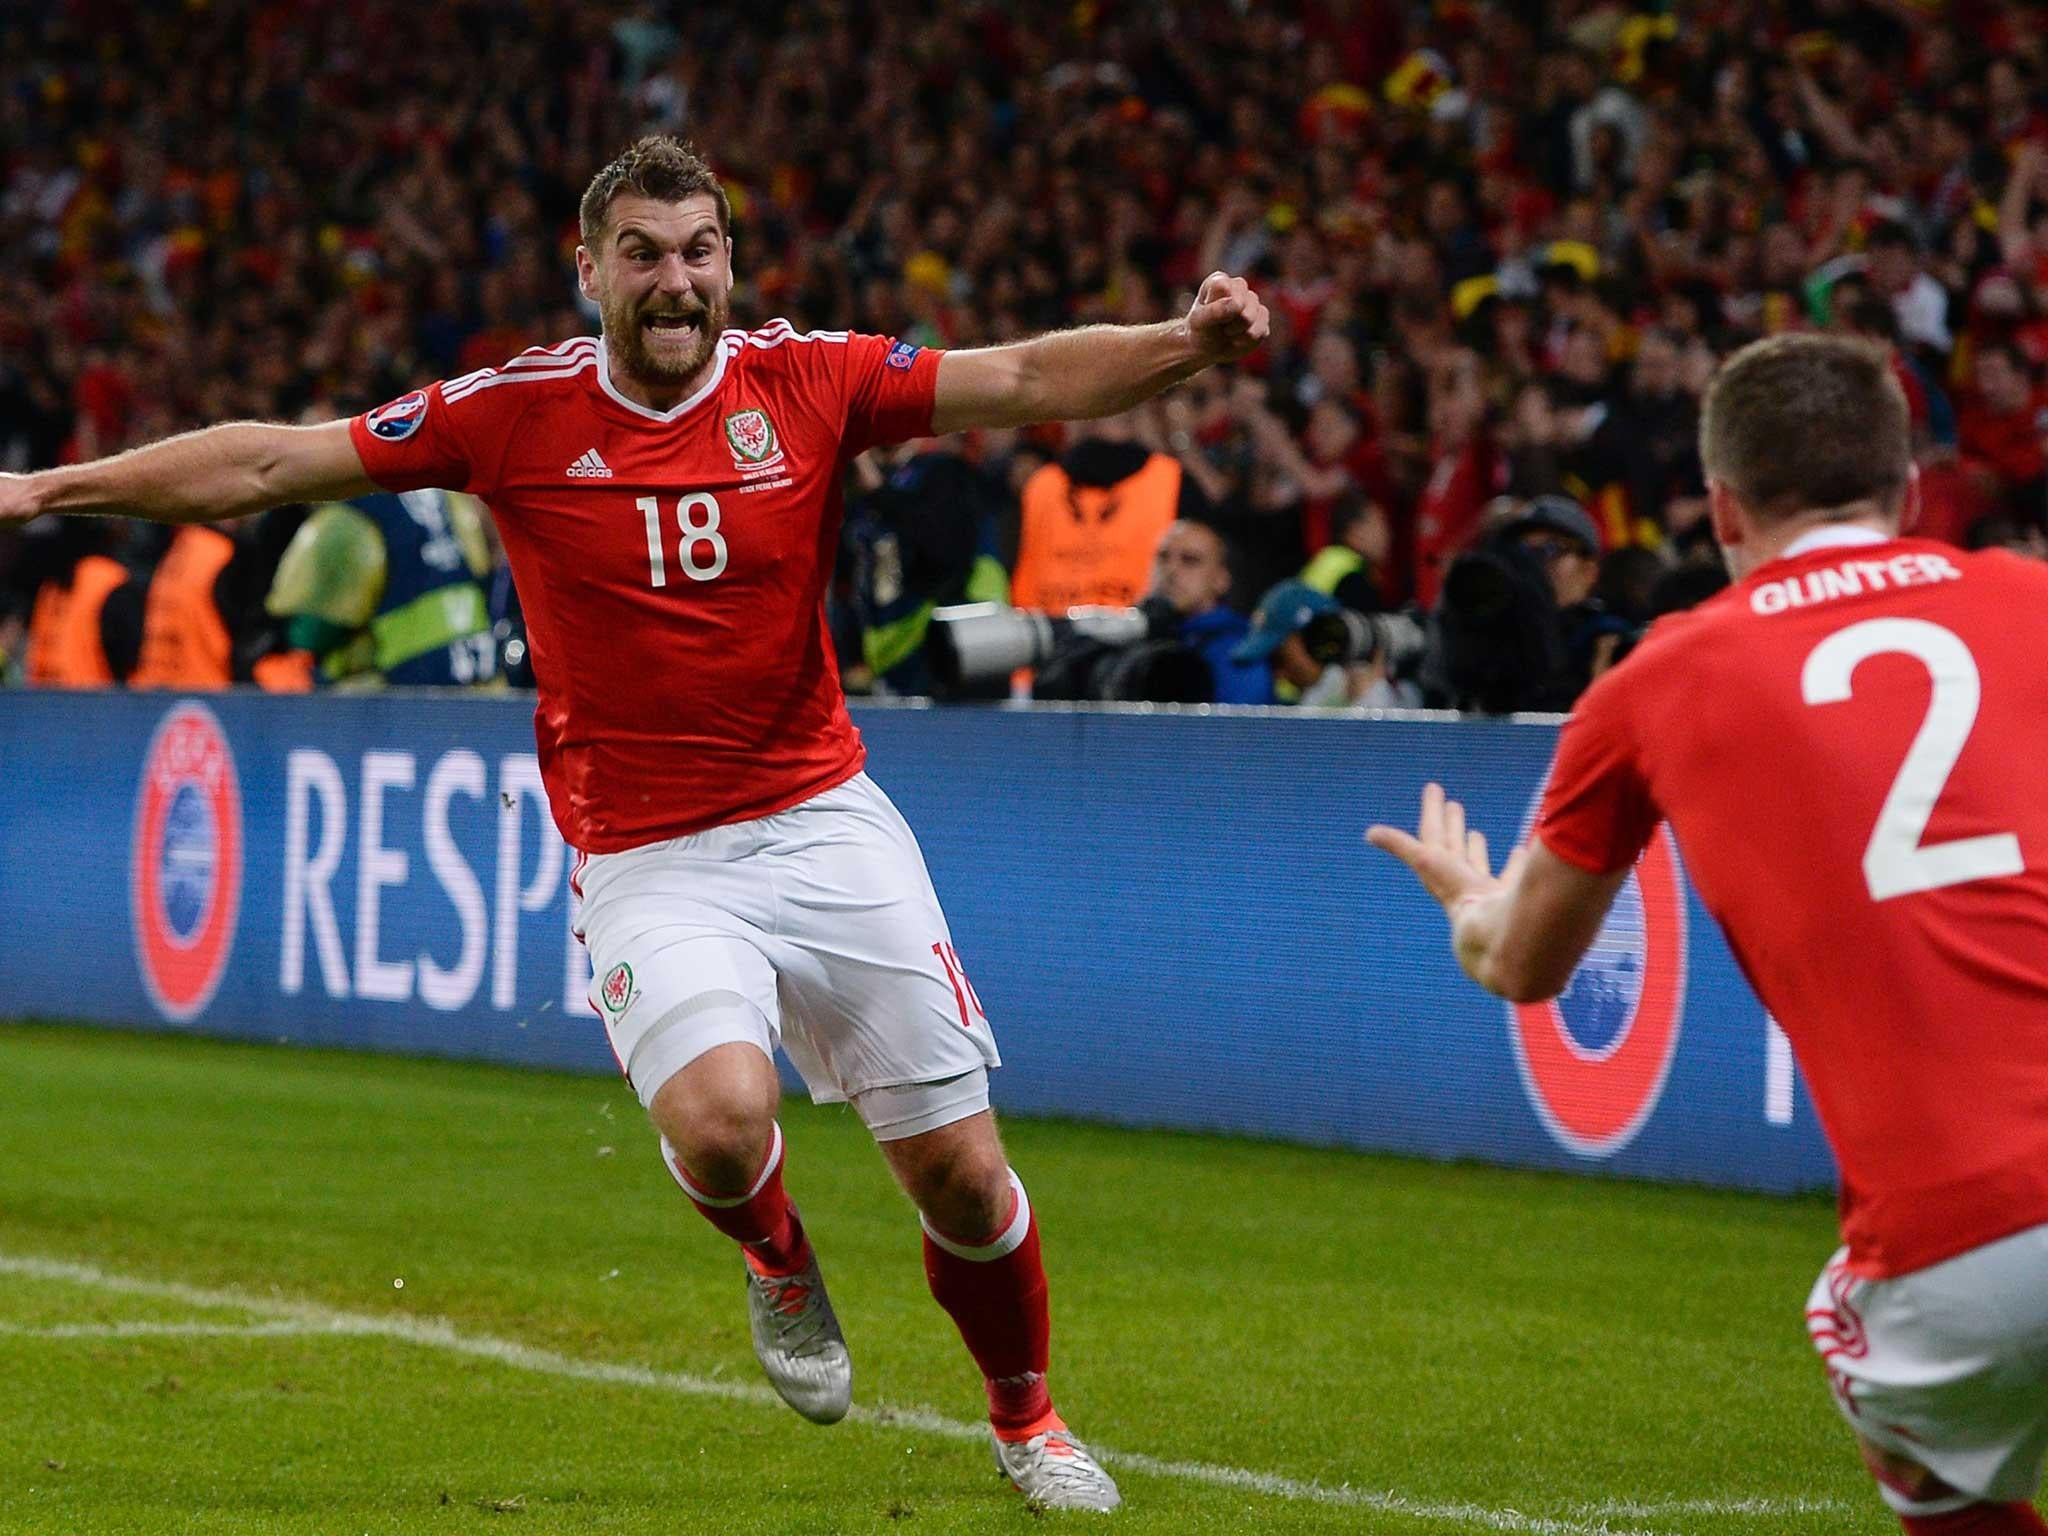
<point>203,1327</point>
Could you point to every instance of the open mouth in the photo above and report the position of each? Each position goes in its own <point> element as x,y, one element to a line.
<point>673,325</point>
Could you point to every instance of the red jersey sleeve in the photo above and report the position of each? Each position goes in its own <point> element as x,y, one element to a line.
<point>1597,811</point>
<point>890,388</point>
<point>415,442</point>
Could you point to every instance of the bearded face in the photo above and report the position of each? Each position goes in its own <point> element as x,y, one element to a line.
<point>660,340</point>
<point>661,276</point>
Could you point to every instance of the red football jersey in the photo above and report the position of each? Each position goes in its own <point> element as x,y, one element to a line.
<point>1849,745</point>
<point>672,564</point>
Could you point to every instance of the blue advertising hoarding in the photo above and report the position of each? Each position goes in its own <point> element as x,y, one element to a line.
<point>1170,917</point>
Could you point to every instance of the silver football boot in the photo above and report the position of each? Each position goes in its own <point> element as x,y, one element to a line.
<point>798,1342</point>
<point>1055,1471</point>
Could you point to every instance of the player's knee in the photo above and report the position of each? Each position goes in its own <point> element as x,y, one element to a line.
<point>966,1194</point>
<point>718,1113</point>
<point>721,1146</point>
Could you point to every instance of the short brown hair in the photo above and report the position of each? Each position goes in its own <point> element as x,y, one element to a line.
<point>658,167</point>
<point>1802,423</point>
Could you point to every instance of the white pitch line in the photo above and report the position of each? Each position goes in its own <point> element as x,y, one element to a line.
<point>277,1330</point>
<point>1625,1509</point>
<point>288,1317</point>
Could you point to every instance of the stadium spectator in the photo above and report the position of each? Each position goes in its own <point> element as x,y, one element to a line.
<point>1897,277</point>
<point>1558,198</point>
<point>1467,471</point>
<point>1656,431</point>
<point>1352,567</point>
<point>2003,424</point>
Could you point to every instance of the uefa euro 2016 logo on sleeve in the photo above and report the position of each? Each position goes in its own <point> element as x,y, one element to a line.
<point>400,419</point>
<point>185,879</point>
<point>1595,1058</point>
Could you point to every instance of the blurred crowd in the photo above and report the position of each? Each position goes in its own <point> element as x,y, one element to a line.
<point>1504,244</point>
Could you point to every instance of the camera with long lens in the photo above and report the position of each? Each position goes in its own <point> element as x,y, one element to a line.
<point>1106,654</point>
<point>1499,648</point>
<point>1344,636</point>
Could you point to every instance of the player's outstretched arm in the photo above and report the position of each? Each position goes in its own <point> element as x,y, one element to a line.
<point>1519,934</point>
<point>199,477</point>
<point>1097,370</point>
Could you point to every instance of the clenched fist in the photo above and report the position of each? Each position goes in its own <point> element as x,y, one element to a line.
<point>1227,320</point>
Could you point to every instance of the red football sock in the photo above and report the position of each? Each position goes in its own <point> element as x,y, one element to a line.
<point>1978,1520</point>
<point>762,1220</point>
<point>995,1293</point>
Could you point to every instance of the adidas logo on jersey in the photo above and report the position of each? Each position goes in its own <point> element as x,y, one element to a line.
<point>590,467</point>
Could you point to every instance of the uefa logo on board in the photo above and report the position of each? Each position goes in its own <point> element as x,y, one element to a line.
<point>185,861</point>
<point>1594,1059</point>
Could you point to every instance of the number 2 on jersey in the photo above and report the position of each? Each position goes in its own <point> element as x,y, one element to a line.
<point>1895,863</point>
<point>696,534</point>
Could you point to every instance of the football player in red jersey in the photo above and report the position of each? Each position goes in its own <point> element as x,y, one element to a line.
<point>669,498</point>
<point>1848,744</point>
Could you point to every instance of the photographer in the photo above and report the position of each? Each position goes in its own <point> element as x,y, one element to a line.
<point>1177,646</point>
<point>1518,627</point>
<point>1188,653</point>
<point>927,532</point>
<point>1191,573</point>
<point>1560,533</point>
<point>1324,654</point>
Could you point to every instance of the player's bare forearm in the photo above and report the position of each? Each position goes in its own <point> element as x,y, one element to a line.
<point>199,477</point>
<point>1076,375</point>
<point>1097,370</point>
<point>1478,924</point>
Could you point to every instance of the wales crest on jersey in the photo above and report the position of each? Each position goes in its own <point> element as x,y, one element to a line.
<point>751,435</point>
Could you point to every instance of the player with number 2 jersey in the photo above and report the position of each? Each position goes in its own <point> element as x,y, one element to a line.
<point>1848,744</point>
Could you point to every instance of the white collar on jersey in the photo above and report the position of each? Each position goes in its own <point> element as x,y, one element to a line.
<point>604,381</point>
<point>1832,535</point>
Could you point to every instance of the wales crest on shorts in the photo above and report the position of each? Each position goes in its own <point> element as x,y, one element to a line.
<point>617,990</point>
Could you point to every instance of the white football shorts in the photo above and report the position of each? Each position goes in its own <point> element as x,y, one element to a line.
<point>815,928</point>
<point>1947,1366</point>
